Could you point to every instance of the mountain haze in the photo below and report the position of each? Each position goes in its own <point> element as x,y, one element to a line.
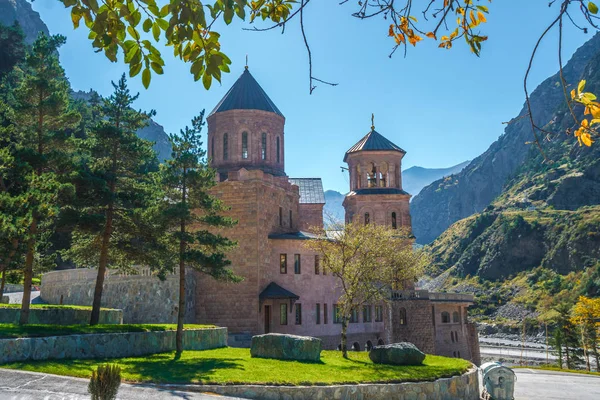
<point>416,178</point>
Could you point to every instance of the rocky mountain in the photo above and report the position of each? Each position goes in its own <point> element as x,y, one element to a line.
<point>21,11</point>
<point>416,178</point>
<point>333,206</point>
<point>450,199</point>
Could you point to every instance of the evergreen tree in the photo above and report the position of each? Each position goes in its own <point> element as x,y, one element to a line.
<point>12,47</point>
<point>114,191</point>
<point>191,214</point>
<point>42,117</point>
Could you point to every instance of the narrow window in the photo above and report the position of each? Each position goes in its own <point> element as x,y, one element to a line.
<point>459,354</point>
<point>367,313</point>
<point>455,317</point>
<point>317,265</point>
<point>298,314</point>
<point>378,313</point>
<point>454,353</point>
<point>318,311</point>
<point>456,336</point>
<point>354,315</point>
<point>402,316</point>
<point>225,147</point>
<point>394,225</point>
<point>297,263</point>
<point>325,316</point>
<point>283,263</point>
<point>452,336</point>
<point>283,314</point>
<point>278,158</point>
<point>212,147</point>
<point>290,218</point>
<point>263,149</point>
<point>367,218</point>
<point>245,145</point>
<point>445,317</point>
<point>337,318</point>
<point>280,216</point>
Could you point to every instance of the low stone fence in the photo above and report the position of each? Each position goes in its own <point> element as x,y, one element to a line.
<point>463,387</point>
<point>107,345</point>
<point>59,316</point>
<point>13,288</point>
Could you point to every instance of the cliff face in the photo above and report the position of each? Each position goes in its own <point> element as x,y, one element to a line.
<point>450,199</point>
<point>21,11</point>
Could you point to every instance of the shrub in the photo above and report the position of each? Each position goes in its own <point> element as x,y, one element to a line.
<point>105,382</point>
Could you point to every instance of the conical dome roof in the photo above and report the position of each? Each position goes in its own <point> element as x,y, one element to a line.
<point>246,94</point>
<point>373,141</point>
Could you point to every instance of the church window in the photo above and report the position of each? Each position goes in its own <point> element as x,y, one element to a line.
<point>283,314</point>
<point>318,313</point>
<point>455,317</point>
<point>298,314</point>
<point>278,148</point>
<point>402,316</point>
<point>325,316</point>
<point>354,315</point>
<point>367,313</point>
<point>225,147</point>
<point>394,222</point>
<point>367,218</point>
<point>263,149</point>
<point>383,175</point>
<point>290,218</point>
<point>283,263</point>
<point>280,216</point>
<point>378,313</point>
<point>245,145</point>
<point>317,264</point>
<point>297,265</point>
<point>371,176</point>
<point>337,317</point>
<point>445,317</point>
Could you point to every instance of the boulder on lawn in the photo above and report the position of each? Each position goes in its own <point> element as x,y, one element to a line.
<point>286,347</point>
<point>403,353</point>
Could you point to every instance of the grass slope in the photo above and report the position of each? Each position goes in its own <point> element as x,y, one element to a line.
<point>235,366</point>
<point>19,331</point>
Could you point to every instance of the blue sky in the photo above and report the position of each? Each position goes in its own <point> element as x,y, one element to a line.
<point>442,107</point>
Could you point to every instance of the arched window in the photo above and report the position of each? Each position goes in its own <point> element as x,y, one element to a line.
<point>455,317</point>
<point>369,345</point>
<point>357,177</point>
<point>459,354</point>
<point>263,148</point>
<point>367,218</point>
<point>402,316</point>
<point>245,145</point>
<point>380,342</point>
<point>278,146</point>
<point>383,175</point>
<point>454,353</point>
<point>371,176</point>
<point>394,223</point>
<point>445,317</point>
<point>456,336</point>
<point>356,346</point>
<point>225,147</point>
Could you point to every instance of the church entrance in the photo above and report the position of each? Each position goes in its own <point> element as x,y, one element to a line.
<point>267,319</point>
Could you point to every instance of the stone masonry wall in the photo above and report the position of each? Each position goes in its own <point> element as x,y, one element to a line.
<point>107,345</point>
<point>473,338</point>
<point>143,297</point>
<point>464,387</point>
<point>60,316</point>
<point>418,328</point>
<point>311,217</point>
<point>451,338</point>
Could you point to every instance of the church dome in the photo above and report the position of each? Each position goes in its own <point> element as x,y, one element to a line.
<point>373,141</point>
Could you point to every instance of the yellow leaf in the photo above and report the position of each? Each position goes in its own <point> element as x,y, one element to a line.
<point>572,92</point>
<point>431,35</point>
<point>481,16</point>
<point>586,139</point>
<point>580,86</point>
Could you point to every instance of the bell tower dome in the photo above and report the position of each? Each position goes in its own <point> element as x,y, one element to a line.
<point>245,130</point>
<point>376,194</point>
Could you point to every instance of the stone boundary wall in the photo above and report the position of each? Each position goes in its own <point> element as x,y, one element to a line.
<point>107,345</point>
<point>143,297</point>
<point>464,387</point>
<point>59,316</point>
<point>13,288</point>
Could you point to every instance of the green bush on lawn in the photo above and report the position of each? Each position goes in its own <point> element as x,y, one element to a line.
<point>235,366</point>
<point>19,331</point>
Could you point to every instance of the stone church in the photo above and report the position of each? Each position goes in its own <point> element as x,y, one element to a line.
<point>285,289</point>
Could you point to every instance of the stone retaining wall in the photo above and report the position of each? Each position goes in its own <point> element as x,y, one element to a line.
<point>13,288</point>
<point>143,297</point>
<point>464,387</point>
<point>59,316</point>
<point>107,345</point>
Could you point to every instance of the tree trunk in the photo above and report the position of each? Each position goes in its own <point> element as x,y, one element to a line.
<point>28,272</point>
<point>3,283</point>
<point>95,317</point>
<point>344,337</point>
<point>182,246</point>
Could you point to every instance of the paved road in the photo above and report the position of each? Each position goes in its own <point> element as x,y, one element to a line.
<point>535,384</point>
<point>21,385</point>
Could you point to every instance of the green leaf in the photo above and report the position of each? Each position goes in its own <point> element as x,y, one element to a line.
<point>134,69</point>
<point>157,68</point>
<point>164,25</point>
<point>206,80</point>
<point>228,15</point>
<point>593,8</point>
<point>146,78</point>
<point>147,25</point>
<point>156,31</point>
<point>133,32</point>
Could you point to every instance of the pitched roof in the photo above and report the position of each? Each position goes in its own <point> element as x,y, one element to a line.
<point>300,235</point>
<point>373,141</point>
<point>311,190</point>
<point>274,291</point>
<point>246,94</point>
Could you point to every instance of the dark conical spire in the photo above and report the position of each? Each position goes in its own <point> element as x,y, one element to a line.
<point>246,94</point>
<point>373,141</point>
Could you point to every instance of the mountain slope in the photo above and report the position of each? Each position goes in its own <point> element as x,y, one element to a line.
<point>446,201</point>
<point>21,11</point>
<point>416,178</point>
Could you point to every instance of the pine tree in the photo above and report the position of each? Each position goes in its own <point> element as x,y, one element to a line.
<point>42,118</point>
<point>114,190</point>
<point>191,214</point>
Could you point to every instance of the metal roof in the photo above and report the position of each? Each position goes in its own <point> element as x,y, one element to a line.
<point>300,235</point>
<point>311,190</point>
<point>377,191</point>
<point>274,291</point>
<point>246,94</point>
<point>373,141</point>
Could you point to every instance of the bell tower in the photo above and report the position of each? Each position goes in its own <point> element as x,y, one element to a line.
<point>376,194</point>
<point>245,130</point>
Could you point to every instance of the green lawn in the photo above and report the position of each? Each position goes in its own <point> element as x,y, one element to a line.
<point>235,366</point>
<point>17,331</point>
